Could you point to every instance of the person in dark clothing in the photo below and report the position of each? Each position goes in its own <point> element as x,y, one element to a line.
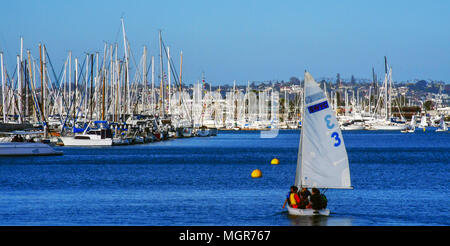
<point>17,139</point>
<point>316,200</point>
<point>304,198</point>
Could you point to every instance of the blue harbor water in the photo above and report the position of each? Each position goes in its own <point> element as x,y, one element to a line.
<point>398,179</point>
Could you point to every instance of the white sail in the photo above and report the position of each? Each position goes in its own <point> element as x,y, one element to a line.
<point>442,126</point>
<point>423,122</point>
<point>413,121</point>
<point>322,158</point>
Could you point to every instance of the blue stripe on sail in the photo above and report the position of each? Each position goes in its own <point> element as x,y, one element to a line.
<point>317,107</point>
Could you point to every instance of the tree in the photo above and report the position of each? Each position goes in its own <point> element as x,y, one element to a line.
<point>338,99</point>
<point>427,105</point>
<point>294,80</point>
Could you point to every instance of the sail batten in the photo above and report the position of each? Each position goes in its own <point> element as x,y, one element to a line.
<point>322,158</point>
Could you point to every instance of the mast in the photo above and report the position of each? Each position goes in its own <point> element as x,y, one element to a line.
<point>298,174</point>
<point>116,105</point>
<point>390,93</point>
<point>181,71</point>
<point>144,80</point>
<point>42,81</point>
<point>111,83</point>
<point>127,76</point>
<point>116,113</point>
<point>103,95</point>
<point>3,87</point>
<point>86,94</point>
<point>33,86</point>
<point>92,87</point>
<point>19,82</point>
<point>153,86</point>
<point>70,78</point>
<point>44,89</point>
<point>98,75</point>
<point>30,75</point>
<point>375,83</point>
<point>75,92</point>
<point>161,87</point>
<point>234,99</point>
<point>168,77</point>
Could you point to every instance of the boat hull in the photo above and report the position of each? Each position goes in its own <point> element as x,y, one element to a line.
<point>203,133</point>
<point>27,149</point>
<point>307,212</point>
<point>187,132</point>
<point>352,128</point>
<point>213,131</point>
<point>386,127</point>
<point>70,141</point>
<point>407,131</point>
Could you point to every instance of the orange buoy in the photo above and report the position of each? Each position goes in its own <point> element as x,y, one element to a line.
<point>256,173</point>
<point>275,161</point>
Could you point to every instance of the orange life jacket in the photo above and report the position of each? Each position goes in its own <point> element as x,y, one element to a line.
<point>294,200</point>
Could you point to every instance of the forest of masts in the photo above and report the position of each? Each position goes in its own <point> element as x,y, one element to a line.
<point>99,88</point>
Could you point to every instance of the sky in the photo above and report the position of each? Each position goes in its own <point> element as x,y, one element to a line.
<point>244,40</point>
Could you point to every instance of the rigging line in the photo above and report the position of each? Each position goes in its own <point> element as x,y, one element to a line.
<point>35,100</point>
<point>173,68</point>
<point>71,101</point>
<point>175,78</point>
<point>53,70</point>
<point>118,32</point>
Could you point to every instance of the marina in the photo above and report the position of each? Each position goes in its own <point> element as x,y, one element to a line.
<point>96,101</point>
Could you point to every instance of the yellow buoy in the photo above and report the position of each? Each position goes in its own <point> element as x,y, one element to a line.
<point>275,161</point>
<point>256,173</point>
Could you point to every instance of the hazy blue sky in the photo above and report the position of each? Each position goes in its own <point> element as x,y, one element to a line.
<point>246,40</point>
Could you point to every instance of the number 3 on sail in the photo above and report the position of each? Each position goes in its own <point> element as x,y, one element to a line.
<point>335,135</point>
<point>327,120</point>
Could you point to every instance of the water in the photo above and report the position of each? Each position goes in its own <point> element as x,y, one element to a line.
<point>399,179</point>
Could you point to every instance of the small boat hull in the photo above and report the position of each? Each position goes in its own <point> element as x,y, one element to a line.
<point>352,128</point>
<point>187,132</point>
<point>407,131</point>
<point>203,133</point>
<point>307,212</point>
<point>386,127</point>
<point>213,131</point>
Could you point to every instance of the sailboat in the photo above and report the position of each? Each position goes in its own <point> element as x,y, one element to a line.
<point>322,158</point>
<point>100,136</point>
<point>423,122</point>
<point>442,126</point>
<point>411,127</point>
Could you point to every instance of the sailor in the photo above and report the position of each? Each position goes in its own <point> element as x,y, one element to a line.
<point>304,195</point>
<point>293,200</point>
<point>317,200</point>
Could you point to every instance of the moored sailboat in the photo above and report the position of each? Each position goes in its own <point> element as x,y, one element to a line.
<point>322,158</point>
<point>101,136</point>
<point>442,126</point>
<point>411,127</point>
